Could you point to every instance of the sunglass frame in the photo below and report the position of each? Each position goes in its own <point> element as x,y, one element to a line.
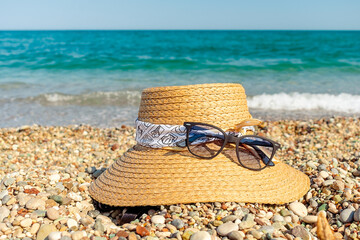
<point>229,139</point>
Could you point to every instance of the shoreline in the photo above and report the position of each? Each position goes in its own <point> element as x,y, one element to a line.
<point>46,171</point>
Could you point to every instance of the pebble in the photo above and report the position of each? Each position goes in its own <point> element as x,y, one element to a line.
<point>4,213</point>
<point>176,209</point>
<point>310,219</point>
<point>298,208</point>
<point>5,199</point>
<point>87,221</point>
<point>267,229</point>
<point>142,231</point>
<point>26,223</point>
<point>9,181</point>
<point>57,198</point>
<point>229,218</point>
<point>226,228</point>
<point>78,235</point>
<point>328,183</point>
<point>347,215</point>
<point>338,185</point>
<point>158,219</point>
<point>248,222</point>
<point>235,235</point>
<point>300,231</point>
<point>99,227</point>
<point>357,215</point>
<point>324,174</point>
<point>278,218</point>
<point>44,231</point>
<point>3,194</point>
<point>54,236</point>
<point>35,203</point>
<point>201,235</point>
<point>93,213</point>
<point>178,223</point>
<point>52,214</point>
<point>54,177</point>
<point>72,224</point>
<point>74,196</point>
<point>34,228</point>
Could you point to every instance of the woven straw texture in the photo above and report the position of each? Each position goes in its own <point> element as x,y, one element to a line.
<point>145,176</point>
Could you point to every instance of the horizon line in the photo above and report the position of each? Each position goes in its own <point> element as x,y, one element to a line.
<point>179,29</point>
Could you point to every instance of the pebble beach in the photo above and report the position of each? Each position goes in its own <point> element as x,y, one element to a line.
<point>45,173</point>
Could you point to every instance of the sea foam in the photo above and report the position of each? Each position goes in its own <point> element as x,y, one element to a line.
<point>344,102</point>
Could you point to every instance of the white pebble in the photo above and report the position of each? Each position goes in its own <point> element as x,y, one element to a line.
<point>158,219</point>
<point>54,236</point>
<point>74,196</point>
<point>72,224</point>
<point>54,177</point>
<point>298,208</point>
<point>310,219</point>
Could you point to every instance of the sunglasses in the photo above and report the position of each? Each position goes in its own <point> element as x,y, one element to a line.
<point>207,141</point>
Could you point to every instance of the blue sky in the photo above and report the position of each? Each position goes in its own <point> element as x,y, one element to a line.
<point>181,14</point>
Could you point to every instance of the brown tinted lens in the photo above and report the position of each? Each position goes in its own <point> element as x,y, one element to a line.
<point>255,153</point>
<point>205,141</point>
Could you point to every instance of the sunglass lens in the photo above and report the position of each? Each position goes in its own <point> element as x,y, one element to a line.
<point>205,141</point>
<point>255,152</point>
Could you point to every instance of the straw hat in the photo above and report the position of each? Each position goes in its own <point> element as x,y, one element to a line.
<point>147,176</point>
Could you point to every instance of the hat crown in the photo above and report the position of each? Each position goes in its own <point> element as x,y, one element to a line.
<point>221,104</point>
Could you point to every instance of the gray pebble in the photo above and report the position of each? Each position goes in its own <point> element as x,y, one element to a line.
<point>235,235</point>
<point>5,199</point>
<point>227,228</point>
<point>247,222</point>
<point>357,215</point>
<point>40,213</point>
<point>21,184</point>
<point>267,229</point>
<point>322,167</point>
<point>347,216</point>
<point>57,198</point>
<point>178,223</point>
<point>300,231</point>
<point>229,218</point>
<point>9,181</point>
<point>313,203</point>
<point>97,173</point>
<point>93,213</point>
<point>3,194</point>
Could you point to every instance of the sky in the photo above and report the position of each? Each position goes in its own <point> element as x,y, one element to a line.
<point>181,14</point>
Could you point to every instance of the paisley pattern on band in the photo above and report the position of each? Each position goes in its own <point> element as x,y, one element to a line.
<point>161,135</point>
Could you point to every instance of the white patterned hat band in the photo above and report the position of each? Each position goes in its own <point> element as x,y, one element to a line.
<point>162,135</point>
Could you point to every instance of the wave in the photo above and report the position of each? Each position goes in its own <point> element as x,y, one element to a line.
<point>12,85</point>
<point>346,103</point>
<point>118,98</point>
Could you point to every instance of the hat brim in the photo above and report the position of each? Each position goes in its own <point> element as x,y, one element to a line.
<point>145,176</point>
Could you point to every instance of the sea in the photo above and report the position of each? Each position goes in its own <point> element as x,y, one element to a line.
<point>96,77</point>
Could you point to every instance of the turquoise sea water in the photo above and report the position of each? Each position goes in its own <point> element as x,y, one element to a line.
<point>96,77</point>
